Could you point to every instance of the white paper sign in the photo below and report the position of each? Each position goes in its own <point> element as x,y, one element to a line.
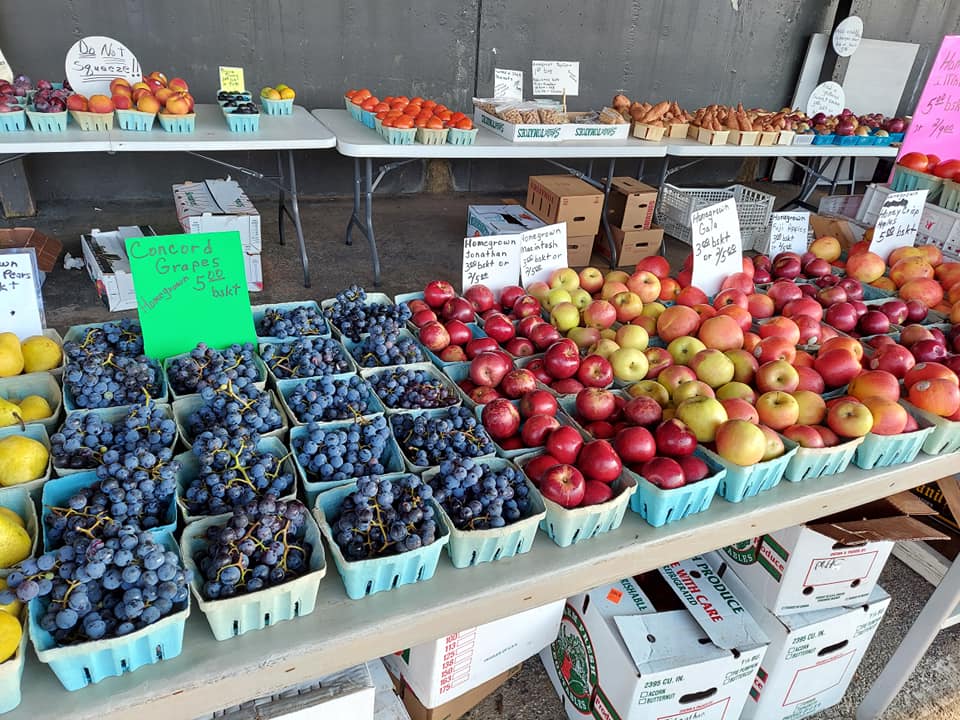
<point>717,251</point>
<point>898,222</point>
<point>846,38</point>
<point>554,77</point>
<point>508,84</point>
<point>827,98</point>
<point>96,60</point>
<point>789,232</point>
<point>541,252</point>
<point>493,260</point>
<point>6,72</point>
<point>21,302</point>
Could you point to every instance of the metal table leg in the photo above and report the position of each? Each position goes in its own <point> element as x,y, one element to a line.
<point>280,212</point>
<point>604,218</point>
<point>355,215</point>
<point>294,212</point>
<point>368,216</point>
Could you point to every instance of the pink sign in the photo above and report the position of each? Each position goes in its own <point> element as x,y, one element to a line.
<point>936,121</point>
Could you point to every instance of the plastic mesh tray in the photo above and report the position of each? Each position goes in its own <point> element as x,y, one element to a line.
<point>674,205</point>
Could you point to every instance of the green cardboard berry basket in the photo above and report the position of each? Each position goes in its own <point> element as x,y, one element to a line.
<point>184,406</point>
<point>285,388</point>
<point>943,438</point>
<point>366,577</point>
<point>742,482</point>
<point>568,526</point>
<point>45,385</point>
<point>190,468</point>
<point>77,666</point>
<point>113,415</point>
<point>472,547</point>
<point>808,463</point>
<point>33,488</point>
<point>660,507</point>
<point>18,499</point>
<point>234,616</point>
<point>11,670</point>
<point>879,451</point>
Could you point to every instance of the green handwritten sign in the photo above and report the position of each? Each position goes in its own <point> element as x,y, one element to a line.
<point>190,289</point>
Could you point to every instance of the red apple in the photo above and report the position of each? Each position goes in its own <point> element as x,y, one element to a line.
<point>499,327</point>
<point>526,306</point>
<point>635,445</point>
<point>562,359</point>
<point>600,430</point>
<point>596,493</point>
<point>694,469</point>
<point>567,386</point>
<point>916,311</point>
<point>538,402</point>
<point>475,346</point>
<point>873,322</point>
<point>489,368</point>
<point>501,418</point>
<point>437,293</point>
<point>674,438</point>
<point>595,371</point>
<point>842,316</point>
<point>665,473</point>
<point>519,347</point>
<point>536,467</point>
<point>536,429</point>
<point>810,379</point>
<point>517,383</point>
<point>599,314</point>
<point>658,359</point>
<point>928,351</point>
<point>422,317</point>
<point>595,404</point>
<point>657,264</point>
<point>564,444</point>
<point>509,295</point>
<point>564,485</point>
<point>458,309</point>
<point>481,297</point>
<point>482,394</point>
<point>895,359</point>
<point>643,410</point>
<point>852,287</point>
<point>453,353</point>
<point>526,325</point>
<point>435,337</point>
<point>599,461</point>
<point>837,367</point>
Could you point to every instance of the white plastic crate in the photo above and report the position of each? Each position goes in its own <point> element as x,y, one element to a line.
<point>674,205</point>
<point>938,226</point>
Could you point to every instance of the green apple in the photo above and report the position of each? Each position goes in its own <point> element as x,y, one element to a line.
<point>712,367</point>
<point>682,349</point>
<point>604,347</point>
<point>564,316</point>
<point>703,415</point>
<point>629,364</point>
<point>652,389</point>
<point>632,336</point>
<point>556,296</point>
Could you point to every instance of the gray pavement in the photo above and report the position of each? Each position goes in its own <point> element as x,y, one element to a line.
<point>419,241</point>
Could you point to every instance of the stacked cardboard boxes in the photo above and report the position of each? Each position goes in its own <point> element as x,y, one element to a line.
<point>630,213</point>
<point>566,199</point>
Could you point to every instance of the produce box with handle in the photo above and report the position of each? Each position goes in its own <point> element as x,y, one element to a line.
<point>564,198</point>
<point>105,255</point>
<point>830,562</point>
<point>451,666</point>
<point>218,206</point>
<point>48,249</point>
<point>632,245</point>
<point>673,644</point>
<point>631,204</point>
<point>454,708</point>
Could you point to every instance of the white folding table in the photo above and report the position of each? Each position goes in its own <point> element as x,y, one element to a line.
<point>818,156</point>
<point>358,141</point>
<point>282,134</point>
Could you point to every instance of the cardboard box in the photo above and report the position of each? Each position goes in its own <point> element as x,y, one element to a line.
<point>218,206</point>
<point>487,220</point>
<point>812,657</point>
<point>933,497</point>
<point>847,232</point>
<point>446,668</point>
<point>636,649</point>
<point>631,204</point>
<point>632,245</point>
<point>579,250</point>
<point>832,562</point>
<point>455,708</point>
<point>105,255</point>
<point>48,249</point>
<point>564,198</point>
<point>254,270</point>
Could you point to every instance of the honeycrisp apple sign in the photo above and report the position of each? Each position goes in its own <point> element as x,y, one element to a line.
<point>717,252</point>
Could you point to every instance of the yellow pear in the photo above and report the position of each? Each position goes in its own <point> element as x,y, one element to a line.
<point>14,607</point>
<point>11,356</point>
<point>12,516</point>
<point>22,459</point>
<point>9,414</point>
<point>34,407</point>
<point>10,634</point>
<point>14,543</point>
<point>40,353</point>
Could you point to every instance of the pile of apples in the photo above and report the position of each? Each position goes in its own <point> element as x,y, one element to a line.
<point>526,423</point>
<point>917,343</point>
<point>913,272</point>
<point>153,94</point>
<point>572,472</point>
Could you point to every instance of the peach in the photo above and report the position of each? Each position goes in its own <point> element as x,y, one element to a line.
<point>865,266</point>
<point>189,98</point>
<point>826,247</point>
<point>677,321</point>
<point>948,273</point>
<point>875,383</point>
<point>100,104</point>
<point>940,397</point>
<point>119,83</point>
<point>154,84</point>
<point>889,416</point>
<point>910,268</point>
<point>178,85</point>
<point>123,90</point>
<point>721,332</point>
<point>148,104</point>
<point>140,86</point>
<point>139,93</point>
<point>884,283</point>
<point>158,76</point>
<point>122,102</point>
<point>925,290</point>
<point>164,94</point>
<point>77,102</point>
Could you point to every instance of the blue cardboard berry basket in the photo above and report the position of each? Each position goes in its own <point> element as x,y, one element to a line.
<point>286,387</point>
<point>17,498</point>
<point>190,468</point>
<point>370,373</point>
<point>58,491</point>
<point>70,404</point>
<point>366,577</point>
<point>135,120</point>
<point>878,451</point>
<point>373,298</point>
<point>475,331</point>
<point>76,333</point>
<point>742,482</point>
<point>77,666</point>
<point>11,670</point>
<point>570,526</point>
<point>472,547</point>
<point>184,406</point>
<point>46,123</point>
<point>17,387</point>
<point>112,415</point>
<point>520,452</point>
<point>660,507</point>
<point>32,488</point>
<point>234,616</point>
<point>178,124</point>
<point>277,107</point>
<point>274,380</point>
<point>404,334</point>
<point>943,438</point>
<point>260,384</point>
<point>808,463</point>
<point>15,121</point>
<point>259,311</point>
<point>392,461</point>
<point>435,412</point>
<point>241,122</point>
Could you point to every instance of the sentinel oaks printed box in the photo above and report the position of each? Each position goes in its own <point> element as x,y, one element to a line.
<point>635,650</point>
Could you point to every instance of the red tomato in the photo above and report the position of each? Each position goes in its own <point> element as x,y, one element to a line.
<point>932,162</point>
<point>914,161</point>
<point>947,169</point>
<point>457,117</point>
<point>464,124</point>
<point>429,104</point>
<point>404,121</point>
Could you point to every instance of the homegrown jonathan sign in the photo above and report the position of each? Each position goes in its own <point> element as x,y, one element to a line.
<point>190,289</point>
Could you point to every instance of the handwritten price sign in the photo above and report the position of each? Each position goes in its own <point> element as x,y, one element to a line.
<point>541,252</point>
<point>717,252</point>
<point>936,123</point>
<point>493,261</point>
<point>508,84</point>
<point>555,77</point>
<point>21,302</point>
<point>190,288</point>
<point>789,232</point>
<point>898,222</point>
